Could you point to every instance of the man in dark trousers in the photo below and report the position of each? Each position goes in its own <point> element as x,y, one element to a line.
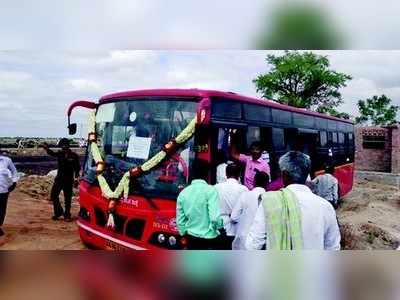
<point>68,172</point>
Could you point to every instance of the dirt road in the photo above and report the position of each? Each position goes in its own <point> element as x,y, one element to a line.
<point>369,218</point>
<point>28,223</point>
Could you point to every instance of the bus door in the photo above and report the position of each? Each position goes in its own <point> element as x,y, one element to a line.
<point>308,144</point>
<point>221,141</point>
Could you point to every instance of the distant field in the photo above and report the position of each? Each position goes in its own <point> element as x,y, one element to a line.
<point>19,142</point>
<point>36,161</point>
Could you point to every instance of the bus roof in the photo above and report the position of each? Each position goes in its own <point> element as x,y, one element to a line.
<point>212,93</point>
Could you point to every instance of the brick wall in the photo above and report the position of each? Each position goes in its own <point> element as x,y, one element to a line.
<point>395,150</point>
<point>379,160</point>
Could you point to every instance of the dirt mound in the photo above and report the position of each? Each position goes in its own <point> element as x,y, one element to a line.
<point>28,224</point>
<point>369,217</point>
<point>37,187</point>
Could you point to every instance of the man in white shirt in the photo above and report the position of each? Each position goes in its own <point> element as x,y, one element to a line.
<point>244,211</point>
<point>319,227</point>
<point>8,182</point>
<point>229,193</point>
<point>222,163</point>
<point>326,186</point>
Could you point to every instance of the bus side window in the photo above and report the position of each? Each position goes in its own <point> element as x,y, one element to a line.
<point>323,138</point>
<point>335,138</point>
<point>341,138</point>
<point>278,139</point>
<point>291,136</point>
<point>253,135</point>
<point>330,139</point>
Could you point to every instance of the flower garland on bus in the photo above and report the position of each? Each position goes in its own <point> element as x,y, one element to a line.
<point>123,186</point>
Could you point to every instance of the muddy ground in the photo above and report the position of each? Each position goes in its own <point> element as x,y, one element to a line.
<point>28,223</point>
<point>369,218</point>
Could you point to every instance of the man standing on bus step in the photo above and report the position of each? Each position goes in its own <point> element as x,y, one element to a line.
<point>8,182</point>
<point>294,218</point>
<point>229,193</point>
<point>253,162</point>
<point>67,174</point>
<point>197,210</point>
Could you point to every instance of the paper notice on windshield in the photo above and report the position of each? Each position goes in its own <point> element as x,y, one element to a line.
<point>139,147</point>
<point>106,113</point>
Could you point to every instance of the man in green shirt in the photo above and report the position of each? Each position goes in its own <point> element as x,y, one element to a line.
<point>197,211</point>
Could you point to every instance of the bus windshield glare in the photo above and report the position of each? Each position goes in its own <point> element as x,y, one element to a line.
<point>131,132</point>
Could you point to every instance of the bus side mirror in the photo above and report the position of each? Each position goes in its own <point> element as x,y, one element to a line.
<point>72,128</point>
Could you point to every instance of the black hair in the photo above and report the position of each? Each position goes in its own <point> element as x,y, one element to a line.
<point>261,179</point>
<point>257,144</point>
<point>64,142</point>
<point>233,171</point>
<point>200,169</point>
<point>330,169</point>
<point>221,156</point>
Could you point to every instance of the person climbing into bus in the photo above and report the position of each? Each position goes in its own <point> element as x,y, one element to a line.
<point>294,218</point>
<point>245,209</point>
<point>253,162</point>
<point>326,186</point>
<point>67,175</point>
<point>8,182</point>
<point>197,210</point>
<point>229,193</point>
<point>221,166</point>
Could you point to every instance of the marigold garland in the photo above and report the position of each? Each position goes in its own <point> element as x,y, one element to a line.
<point>123,186</point>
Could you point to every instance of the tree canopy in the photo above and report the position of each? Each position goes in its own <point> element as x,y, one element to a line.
<point>377,111</point>
<point>302,80</point>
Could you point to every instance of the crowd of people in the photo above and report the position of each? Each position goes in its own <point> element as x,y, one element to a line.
<point>292,212</point>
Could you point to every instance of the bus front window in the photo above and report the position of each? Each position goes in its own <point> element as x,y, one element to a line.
<point>131,132</point>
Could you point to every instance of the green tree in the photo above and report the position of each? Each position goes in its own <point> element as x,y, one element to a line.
<point>333,112</point>
<point>377,111</point>
<point>302,80</point>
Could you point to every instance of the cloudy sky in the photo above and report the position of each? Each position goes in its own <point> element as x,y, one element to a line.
<point>36,87</point>
<point>177,24</point>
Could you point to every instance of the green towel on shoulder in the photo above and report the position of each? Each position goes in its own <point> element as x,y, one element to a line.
<point>283,220</point>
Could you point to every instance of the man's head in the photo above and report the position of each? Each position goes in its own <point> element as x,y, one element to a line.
<point>200,169</point>
<point>256,150</point>
<point>295,167</point>
<point>233,171</point>
<point>64,144</point>
<point>4,152</point>
<point>261,179</point>
<point>329,169</point>
<point>221,156</point>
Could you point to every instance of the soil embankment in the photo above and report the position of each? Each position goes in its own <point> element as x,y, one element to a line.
<point>370,217</point>
<point>28,223</point>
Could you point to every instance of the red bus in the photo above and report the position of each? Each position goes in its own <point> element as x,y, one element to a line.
<point>133,126</point>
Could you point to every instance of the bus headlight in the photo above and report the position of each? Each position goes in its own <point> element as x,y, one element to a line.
<point>161,238</point>
<point>172,241</point>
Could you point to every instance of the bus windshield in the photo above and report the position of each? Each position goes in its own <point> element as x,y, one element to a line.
<point>131,132</point>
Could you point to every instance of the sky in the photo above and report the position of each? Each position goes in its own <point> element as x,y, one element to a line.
<point>36,87</point>
<point>176,24</point>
